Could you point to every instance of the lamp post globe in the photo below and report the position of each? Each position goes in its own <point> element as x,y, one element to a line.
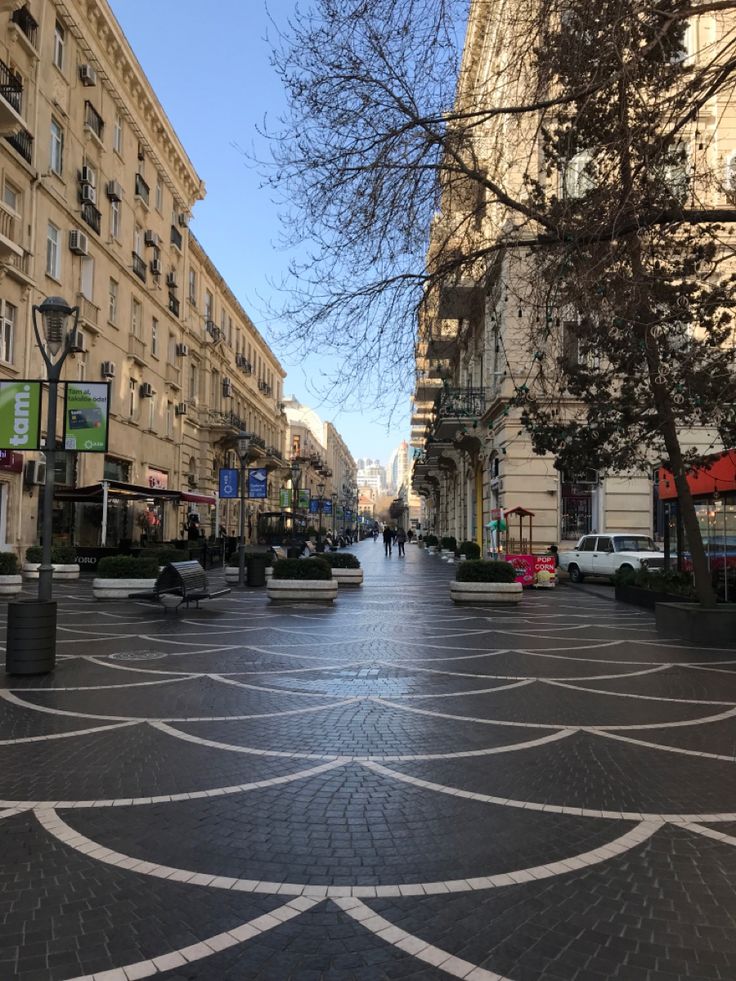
<point>55,313</point>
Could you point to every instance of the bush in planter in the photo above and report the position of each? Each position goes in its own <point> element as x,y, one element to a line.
<point>127,567</point>
<point>431,541</point>
<point>8,564</point>
<point>471,550</point>
<point>658,581</point>
<point>490,571</point>
<point>449,542</point>
<point>302,569</point>
<point>163,555</point>
<point>60,554</point>
<point>341,560</point>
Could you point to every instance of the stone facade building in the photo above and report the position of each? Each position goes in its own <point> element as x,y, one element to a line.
<point>95,201</point>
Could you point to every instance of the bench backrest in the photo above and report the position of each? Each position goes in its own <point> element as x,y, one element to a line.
<point>182,577</point>
<point>279,551</point>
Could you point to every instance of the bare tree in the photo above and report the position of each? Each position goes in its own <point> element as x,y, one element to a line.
<point>579,149</point>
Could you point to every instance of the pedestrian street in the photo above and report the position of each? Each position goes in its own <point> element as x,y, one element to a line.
<point>391,788</point>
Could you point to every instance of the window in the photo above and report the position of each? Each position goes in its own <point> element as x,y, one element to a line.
<point>135,318</point>
<point>81,359</point>
<point>675,172</point>
<point>112,308</point>
<point>159,198</point>
<point>59,43</point>
<point>132,393</point>
<point>578,177</point>
<point>588,544</point>
<point>115,220</point>
<point>193,382</point>
<point>169,418</point>
<point>154,337</point>
<point>56,154</point>
<point>209,305</point>
<point>138,247</point>
<point>171,349</point>
<point>117,134</point>
<point>152,412</point>
<point>87,278</point>
<point>193,287</point>
<point>605,544</point>
<point>8,314</point>
<point>53,258</point>
<point>12,197</point>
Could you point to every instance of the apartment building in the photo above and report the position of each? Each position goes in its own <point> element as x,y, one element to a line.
<point>96,196</point>
<point>473,456</point>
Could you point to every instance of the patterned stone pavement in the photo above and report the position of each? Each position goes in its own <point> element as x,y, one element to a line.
<point>392,788</point>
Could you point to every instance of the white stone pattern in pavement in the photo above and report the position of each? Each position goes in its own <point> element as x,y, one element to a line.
<point>419,698</point>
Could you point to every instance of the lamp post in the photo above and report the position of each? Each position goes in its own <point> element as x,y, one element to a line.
<point>243,448</point>
<point>334,515</point>
<point>296,472</point>
<point>320,498</point>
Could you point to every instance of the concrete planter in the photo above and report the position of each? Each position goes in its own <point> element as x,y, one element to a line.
<point>68,571</point>
<point>447,553</point>
<point>647,598</point>
<point>689,621</point>
<point>117,589</point>
<point>10,585</point>
<point>302,590</point>
<point>231,574</point>
<point>348,577</point>
<point>486,592</point>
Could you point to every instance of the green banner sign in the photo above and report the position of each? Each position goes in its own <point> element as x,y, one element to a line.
<point>20,415</point>
<point>86,416</point>
<point>304,498</point>
<point>284,498</point>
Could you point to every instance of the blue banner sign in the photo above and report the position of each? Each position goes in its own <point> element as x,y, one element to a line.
<point>326,507</point>
<point>314,506</point>
<point>258,483</point>
<point>228,483</point>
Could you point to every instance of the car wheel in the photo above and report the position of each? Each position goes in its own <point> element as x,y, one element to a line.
<point>625,567</point>
<point>574,573</point>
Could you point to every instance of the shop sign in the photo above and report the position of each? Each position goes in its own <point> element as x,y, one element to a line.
<point>86,416</point>
<point>11,461</point>
<point>258,484</point>
<point>20,415</point>
<point>228,483</point>
<point>304,498</point>
<point>157,479</point>
<point>285,497</point>
<point>544,570</point>
<point>524,566</point>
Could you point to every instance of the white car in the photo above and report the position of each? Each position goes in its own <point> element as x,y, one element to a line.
<point>603,555</point>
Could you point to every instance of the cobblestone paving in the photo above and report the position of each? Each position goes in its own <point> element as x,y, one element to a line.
<point>393,788</point>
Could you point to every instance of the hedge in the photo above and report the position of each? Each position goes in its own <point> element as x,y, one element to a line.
<point>302,569</point>
<point>127,567</point>
<point>449,542</point>
<point>341,560</point>
<point>477,571</point>
<point>8,564</point>
<point>660,581</point>
<point>471,550</point>
<point>164,555</point>
<point>60,554</point>
<point>431,540</point>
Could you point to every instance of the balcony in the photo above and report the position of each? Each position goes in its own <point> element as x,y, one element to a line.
<point>89,314</point>
<point>27,25</point>
<point>142,190</point>
<point>11,101</point>
<point>23,143</point>
<point>92,216</point>
<point>213,330</point>
<point>173,376</point>
<point>139,267</point>
<point>456,408</point>
<point>9,230</point>
<point>174,304</point>
<point>93,121</point>
<point>19,267</point>
<point>264,387</point>
<point>177,239</point>
<point>136,350</point>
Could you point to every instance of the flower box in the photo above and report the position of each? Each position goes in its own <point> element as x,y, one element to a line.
<point>486,592</point>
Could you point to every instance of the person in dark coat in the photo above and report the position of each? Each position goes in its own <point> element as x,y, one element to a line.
<point>388,537</point>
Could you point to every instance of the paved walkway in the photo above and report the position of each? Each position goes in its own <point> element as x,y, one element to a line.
<point>392,788</point>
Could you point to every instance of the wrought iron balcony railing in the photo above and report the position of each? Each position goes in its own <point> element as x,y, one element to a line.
<point>23,143</point>
<point>92,216</point>
<point>461,403</point>
<point>142,189</point>
<point>27,24</point>
<point>93,120</point>
<point>174,305</point>
<point>139,267</point>
<point>11,87</point>
<point>177,239</point>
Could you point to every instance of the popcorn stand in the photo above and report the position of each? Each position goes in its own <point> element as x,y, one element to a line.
<point>533,569</point>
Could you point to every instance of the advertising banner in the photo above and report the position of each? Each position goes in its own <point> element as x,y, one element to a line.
<point>348,515</point>
<point>544,571</point>
<point>524,566</point>
<point>284,498</point>
<point>314,506</point>
<point>258,484</point>
<point>326,507</point>
<point>86,416</point>
<point>304,498</point>
<point>11,461</point>
<point>20,415</point>
<point>228,483</point>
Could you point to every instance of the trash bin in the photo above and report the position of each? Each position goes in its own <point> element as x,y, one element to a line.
<point>31,637</point>
<point>256,562</point>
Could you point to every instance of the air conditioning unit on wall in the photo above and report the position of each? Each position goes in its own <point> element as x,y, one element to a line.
<point>35,472</point>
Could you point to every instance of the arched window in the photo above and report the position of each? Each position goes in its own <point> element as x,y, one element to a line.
<point>578,177</point>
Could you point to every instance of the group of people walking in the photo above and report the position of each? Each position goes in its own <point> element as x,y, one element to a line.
<point>393,536</point>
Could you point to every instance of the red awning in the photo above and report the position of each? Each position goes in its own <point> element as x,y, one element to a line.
<point>197,499</point>
<point>717,474</point>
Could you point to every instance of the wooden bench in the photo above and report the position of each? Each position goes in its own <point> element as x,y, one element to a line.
<point>185,580</point>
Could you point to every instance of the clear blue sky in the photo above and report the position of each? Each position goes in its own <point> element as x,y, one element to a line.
<point>209,66</point>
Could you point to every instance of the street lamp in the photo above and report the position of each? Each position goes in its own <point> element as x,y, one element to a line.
<point>334,515</point>
<point>320,497</point>
<point>243,445</point>
<point>54,346</point>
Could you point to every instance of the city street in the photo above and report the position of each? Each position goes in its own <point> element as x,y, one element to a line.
<point>390,788</point>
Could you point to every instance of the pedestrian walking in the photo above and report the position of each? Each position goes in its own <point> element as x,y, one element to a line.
<point>401,541</point>
<point>388,537</point>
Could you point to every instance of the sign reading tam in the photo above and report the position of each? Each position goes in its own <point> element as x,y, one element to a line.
<point>86,412</point>
<point>20,415</point>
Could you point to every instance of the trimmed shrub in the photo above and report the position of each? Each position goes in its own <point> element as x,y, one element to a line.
<point>127,567</point>
<point>163,555</point>
<point>471,550</point>
<point>234,560</point>
<point>341,560</point>
<point>302,569</point>
<point>448,542</point>
<point>8,564</point>
<point>60,554</point>
<point>479,571</point>
<point>659,581</point>
<point>431,540</point>
<point>34,554</point>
